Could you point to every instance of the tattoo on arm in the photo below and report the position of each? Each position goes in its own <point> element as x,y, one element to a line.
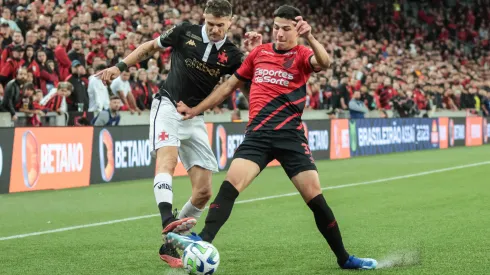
<point>144,55</point>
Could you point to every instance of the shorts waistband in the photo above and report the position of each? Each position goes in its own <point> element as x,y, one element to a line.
<point>165,93</point>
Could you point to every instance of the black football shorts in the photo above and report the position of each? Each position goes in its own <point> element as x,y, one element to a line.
<point>289,147</point>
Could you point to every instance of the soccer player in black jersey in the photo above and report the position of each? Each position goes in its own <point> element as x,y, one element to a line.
<point>279,72</point>
<point>200,56</point>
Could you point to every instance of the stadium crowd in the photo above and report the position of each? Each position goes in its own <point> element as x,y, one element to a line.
<point>401,55</point>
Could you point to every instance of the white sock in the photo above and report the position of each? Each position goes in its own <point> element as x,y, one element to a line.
<point>162,187</point>
<point>190,210</point>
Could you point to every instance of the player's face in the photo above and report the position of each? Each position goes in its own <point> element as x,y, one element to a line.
<point>115,105</point>
<point>216,27</point>
<point>284,33</point>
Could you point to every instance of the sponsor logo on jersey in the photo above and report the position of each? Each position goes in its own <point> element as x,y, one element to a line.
<point>277,77</point>
<point>201,66</point>
<point>191,43</point>
<point>193,36</point>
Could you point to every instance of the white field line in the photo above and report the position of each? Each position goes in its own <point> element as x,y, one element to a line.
<point>63,229</point>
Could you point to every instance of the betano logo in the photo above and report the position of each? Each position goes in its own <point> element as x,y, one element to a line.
<point>106,160</point>
<point>42,161</point>
<point>52,158</point>
<point>121,154</point>
<point>221,155</point>
<point>226,145</point>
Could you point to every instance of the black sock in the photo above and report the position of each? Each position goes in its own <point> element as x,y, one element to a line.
<point>326,223</point>
<point>219,211</point>
<point>166,213</point>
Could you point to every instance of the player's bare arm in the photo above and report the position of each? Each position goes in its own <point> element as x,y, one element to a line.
<point>215,98</point>
<point>143,52</point>
<point>321,59</point>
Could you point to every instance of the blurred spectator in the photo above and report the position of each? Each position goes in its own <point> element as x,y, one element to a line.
<point>56,100</point>
<point>76,52</point>
<point>357,108</point>
<point>13,92</point>
<point>6,18</point>
<point>121,87</point>
<point>109,117</point>
<point>27,105</point>
<point>8,70</point>
<point>98,93</point>
<point>78,100</point>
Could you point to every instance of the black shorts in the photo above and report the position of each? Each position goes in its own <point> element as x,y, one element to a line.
<point>289,147</point>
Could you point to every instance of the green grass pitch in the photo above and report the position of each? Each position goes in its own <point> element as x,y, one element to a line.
<point>435,223</point>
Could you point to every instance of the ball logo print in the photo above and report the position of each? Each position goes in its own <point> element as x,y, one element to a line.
<point>221,150</point>
<point>201,258</point>
<point>30,160</point>
<point>107,166</point>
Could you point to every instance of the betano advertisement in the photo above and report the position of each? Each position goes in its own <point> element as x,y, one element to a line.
<point>121,153</point>
<point>51,158</point>
<point>57,158</point>
<point>384,136</point>
<point>6,142</point>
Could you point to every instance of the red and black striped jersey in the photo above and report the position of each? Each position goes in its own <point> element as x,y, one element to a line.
<point>278,90</point>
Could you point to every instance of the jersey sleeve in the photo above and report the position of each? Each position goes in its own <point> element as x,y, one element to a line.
<point>171,37</point>
<point>307,55</point>
<point>246,70</point>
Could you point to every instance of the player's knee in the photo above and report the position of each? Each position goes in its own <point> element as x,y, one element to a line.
<point>203,195</point>
<point>166,165</point>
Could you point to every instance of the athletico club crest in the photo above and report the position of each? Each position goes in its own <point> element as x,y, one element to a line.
<point>222,57</point>
<point>288,62</point>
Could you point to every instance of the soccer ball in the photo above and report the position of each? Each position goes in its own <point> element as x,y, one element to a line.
<point>200,258</point>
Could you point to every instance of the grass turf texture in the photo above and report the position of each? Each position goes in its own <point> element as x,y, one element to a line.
<point>431,224</point>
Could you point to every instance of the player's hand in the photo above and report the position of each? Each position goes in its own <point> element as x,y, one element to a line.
<point>185,110</point>
<point>252,40</point>
<point>302,27</point>
<point>108,74</point>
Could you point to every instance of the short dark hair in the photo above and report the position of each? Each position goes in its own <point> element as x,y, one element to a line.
<point>287,12</point>
<point>114,97</point>
<point>29,86</point>
<point>218,8</point>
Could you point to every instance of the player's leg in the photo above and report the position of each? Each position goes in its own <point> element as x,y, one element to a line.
<point>165,123</point>
<point>164,142</point>
<point>239,176</point>
<point>308,184</point>
<point>293,153</point>
<point>250,158</point>
<point>201,180</point>
<point>199,161</point>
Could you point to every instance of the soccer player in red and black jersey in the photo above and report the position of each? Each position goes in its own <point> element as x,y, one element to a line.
<point>279,72</point>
